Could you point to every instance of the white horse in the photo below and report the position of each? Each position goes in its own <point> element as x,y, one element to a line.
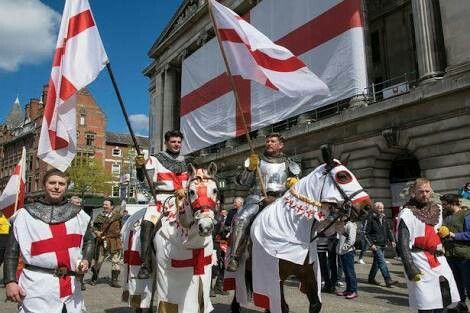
<point>283,234</point>
<point>184,247</point>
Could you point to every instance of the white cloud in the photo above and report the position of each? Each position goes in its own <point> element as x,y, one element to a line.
<point>140,124</point>
<point>28,33</point>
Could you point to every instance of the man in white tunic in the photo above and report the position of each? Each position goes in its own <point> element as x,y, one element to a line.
<point>430,281</point>
<point>168,171</point>
<point>56,244</point>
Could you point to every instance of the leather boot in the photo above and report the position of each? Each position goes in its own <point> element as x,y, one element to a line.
<point>146,232</point>
<point>114,279</point>
<point>94,277</point>
<point>219,287</point>
<point>82,284</point>
<point>238,243</point>
<point>389,283</point>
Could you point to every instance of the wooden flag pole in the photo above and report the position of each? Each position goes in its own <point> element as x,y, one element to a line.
<point>20,176</point>
<point>131,131</point>
<point>237,100</point>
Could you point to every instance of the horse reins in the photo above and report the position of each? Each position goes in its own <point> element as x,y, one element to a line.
<point>345,208</point>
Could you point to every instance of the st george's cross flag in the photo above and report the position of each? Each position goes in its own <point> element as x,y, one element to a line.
<point>326,35</point>
<point>254,56</point>
<point>13,195</point>
<point>78,59</point>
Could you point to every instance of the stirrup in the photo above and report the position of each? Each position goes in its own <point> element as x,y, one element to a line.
<point>144,273</point>
<point>233,264</point>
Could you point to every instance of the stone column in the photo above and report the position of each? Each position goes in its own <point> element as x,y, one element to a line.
<point>429,38</point>
<point>158,113</point>
<point>169,99</point>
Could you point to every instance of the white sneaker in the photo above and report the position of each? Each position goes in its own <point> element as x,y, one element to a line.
<point>339,284</point>
<point>388,262</point>
<point>361,261</point>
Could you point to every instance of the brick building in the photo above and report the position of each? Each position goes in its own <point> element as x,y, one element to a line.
<point>23,129</point>
<point>119,161</point>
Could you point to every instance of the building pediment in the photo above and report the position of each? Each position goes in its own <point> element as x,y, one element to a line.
<point>187,9</point>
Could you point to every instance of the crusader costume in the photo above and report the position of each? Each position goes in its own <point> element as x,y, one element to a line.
<point>52,239</point>
<point>430,281</point>
<point>275,173</point>
<point>169,173</point>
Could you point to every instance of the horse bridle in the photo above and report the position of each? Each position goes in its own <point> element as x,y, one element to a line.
<point>202,178</point>
<point>345,208</point>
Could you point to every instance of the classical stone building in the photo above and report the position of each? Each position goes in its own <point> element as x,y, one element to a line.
<point>415,117</point>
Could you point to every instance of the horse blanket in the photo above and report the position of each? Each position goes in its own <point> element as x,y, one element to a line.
<point>140,290</point>
<point>184,267</point>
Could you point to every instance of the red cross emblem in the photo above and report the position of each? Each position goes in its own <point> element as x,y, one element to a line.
<point>176,178</point>
<point>60,243</point>
<point>131,257</point>
<point>197,262</point>
<point>346,15</point>
<point>429,243</point>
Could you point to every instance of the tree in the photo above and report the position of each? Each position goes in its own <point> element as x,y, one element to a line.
<point>88,175</point>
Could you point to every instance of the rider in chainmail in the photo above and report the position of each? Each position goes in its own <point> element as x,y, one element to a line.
<point>278,173</point>
<point>50,219</point>
<point>168,171</point>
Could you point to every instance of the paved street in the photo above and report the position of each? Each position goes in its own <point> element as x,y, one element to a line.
<point>102,298</point>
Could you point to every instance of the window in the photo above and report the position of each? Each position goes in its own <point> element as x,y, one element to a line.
<point>90,139</point>
<point>132,192</point>
<point>116,169</point>
<point>82,119</point>
<point>29,184</point>
<point>30,161</point>
<point>116,191</point>
<point>116,152</point>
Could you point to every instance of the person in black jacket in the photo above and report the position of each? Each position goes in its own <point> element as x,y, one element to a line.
<point>378,234</point>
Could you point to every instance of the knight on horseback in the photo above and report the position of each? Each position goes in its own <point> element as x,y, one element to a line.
<point>168,171</point>
<point>279,173</point>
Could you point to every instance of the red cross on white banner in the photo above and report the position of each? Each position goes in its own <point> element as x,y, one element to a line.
<point>315,32</point>
<point>78,59</point>
<point>197,262</point>
<point>60,243</point>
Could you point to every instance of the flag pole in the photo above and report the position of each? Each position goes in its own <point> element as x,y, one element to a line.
<point>237,99</point>
<point>20,176</point>
<point>131,131</point>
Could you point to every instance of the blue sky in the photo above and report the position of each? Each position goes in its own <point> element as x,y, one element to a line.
<point>28,34</point>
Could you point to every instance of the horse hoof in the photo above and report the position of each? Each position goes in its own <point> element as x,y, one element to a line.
<point>314,308</point>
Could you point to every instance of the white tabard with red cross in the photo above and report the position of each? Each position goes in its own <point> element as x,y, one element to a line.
<point>138,288</point>
<point>50,246</point>
<point>166,182</point>
<point>426,294</point>
<point>182,269</point>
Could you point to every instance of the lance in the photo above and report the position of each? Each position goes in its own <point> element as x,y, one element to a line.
<point>131,131</point>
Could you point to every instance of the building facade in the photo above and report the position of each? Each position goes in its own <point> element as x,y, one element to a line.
<point>413,122</point>
<point>119,162</point>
